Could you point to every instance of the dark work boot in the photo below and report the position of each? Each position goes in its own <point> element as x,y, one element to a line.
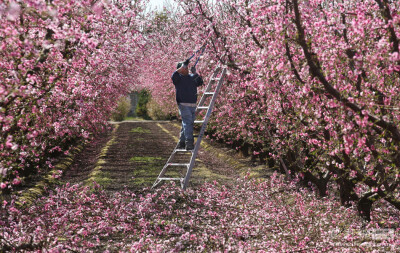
<point>181,145</point>
<point>189,145</point>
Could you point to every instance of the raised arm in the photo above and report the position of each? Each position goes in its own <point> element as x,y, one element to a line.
<point>196,77</point>
<point>176,77</point>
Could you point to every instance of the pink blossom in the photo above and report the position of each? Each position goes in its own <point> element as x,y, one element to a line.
<point>16,181</point>
<point>13,11</point>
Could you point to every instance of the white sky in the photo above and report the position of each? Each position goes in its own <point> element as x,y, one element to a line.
<point>156,3</point>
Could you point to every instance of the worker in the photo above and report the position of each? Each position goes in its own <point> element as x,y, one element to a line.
<point>186,97</point>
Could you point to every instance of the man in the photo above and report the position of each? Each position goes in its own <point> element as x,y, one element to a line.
<point>186,96</point>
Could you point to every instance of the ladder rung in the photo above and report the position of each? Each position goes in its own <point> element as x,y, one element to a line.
<point>183,150</point>
<point>178,164</point>
<point>171,178</point>
<point>203,107</point>
<point>199,121</point>
<point>209,93</point>
<point>216,78</point>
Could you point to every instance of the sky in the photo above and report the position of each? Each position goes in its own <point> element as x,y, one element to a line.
<point>157,3</point>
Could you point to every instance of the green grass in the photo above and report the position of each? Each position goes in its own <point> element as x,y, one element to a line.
<point>100,177</point>
<point>134,118</point>
<point>147,159</point>
<point>202,172</point>
<point>146,170</point>
<point>140,130</point>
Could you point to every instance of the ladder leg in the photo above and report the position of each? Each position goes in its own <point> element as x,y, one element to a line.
<point>164,169</point>
<point>202,130</point>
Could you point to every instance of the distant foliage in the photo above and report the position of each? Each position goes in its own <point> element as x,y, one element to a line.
<point>156,112</point>
<point>122,109</point>
<point>141,109</point>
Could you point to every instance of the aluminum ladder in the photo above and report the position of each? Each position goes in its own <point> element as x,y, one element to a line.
<point>218,75</point>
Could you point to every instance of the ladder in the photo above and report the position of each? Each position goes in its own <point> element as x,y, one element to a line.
<point>217,76</point>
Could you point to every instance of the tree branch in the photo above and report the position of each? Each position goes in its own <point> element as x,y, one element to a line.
<point>289,56</point>
<point>384,7</point>
<point>316,70</point>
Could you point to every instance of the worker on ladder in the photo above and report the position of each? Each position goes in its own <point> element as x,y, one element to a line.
<point>186,97</point>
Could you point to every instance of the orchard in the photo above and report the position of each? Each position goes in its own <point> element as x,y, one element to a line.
<point>312,91</point>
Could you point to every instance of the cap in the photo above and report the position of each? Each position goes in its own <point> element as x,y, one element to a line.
<point>180,64</point>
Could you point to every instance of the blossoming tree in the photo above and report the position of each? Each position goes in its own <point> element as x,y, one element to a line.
<point>64,64</point>
<point>312,84</point>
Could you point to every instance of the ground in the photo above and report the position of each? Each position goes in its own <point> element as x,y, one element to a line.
<point>231,212</point>
<point>133,154</point>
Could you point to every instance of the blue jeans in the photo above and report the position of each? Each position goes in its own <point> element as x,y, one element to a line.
<point>188,116</point>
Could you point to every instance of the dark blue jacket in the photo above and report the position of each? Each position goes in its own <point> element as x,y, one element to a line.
<point>186,87</point>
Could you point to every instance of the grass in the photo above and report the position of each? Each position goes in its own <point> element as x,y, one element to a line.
<point>134,119</point>
<point>140,130</point>
<point>100,177</point>
<point>97,175</point>
<point>147,169</point>
<point>28,196</point>
<point>147,159</point>
<point>205,174</point>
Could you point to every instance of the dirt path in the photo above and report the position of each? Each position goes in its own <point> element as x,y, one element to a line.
<point>135,152</point>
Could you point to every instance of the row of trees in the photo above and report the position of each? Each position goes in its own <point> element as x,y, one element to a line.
<point>63,66</point>
<point>313,85</point>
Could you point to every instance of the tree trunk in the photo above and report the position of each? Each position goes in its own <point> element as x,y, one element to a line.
<point>346,191</point>
<point>364,205</point>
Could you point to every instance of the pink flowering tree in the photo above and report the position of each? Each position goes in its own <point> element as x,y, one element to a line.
<point>313,87</point>
<point>64,64</point>
<point>160,33</point>
<point>169,39</point>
